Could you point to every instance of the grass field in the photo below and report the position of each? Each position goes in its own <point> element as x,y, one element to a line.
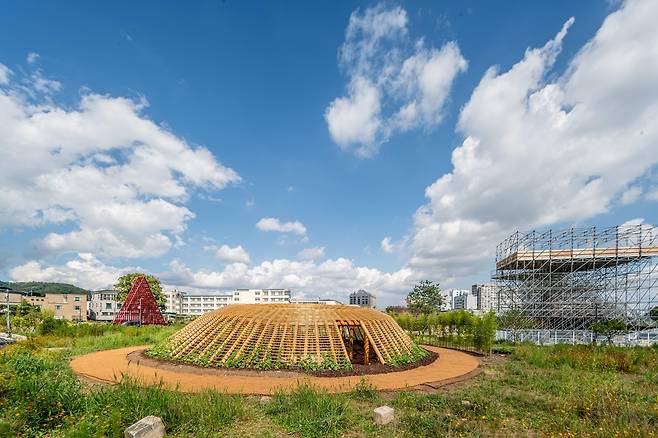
<point>572,391</point>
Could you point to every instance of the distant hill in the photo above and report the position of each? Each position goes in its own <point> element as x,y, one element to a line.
<point>41,287</point>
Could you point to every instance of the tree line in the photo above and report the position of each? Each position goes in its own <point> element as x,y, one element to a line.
<point>427,323</point>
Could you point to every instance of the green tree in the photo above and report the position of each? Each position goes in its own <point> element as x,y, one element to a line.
<point>125,282</point>
<point>426,298</point>
<point>485,332</point>
<point>609,328</point>
<point>24,308</point>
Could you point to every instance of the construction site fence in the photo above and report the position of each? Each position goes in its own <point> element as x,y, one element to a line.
<point>643,338</point>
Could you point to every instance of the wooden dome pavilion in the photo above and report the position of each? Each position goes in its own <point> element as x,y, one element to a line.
<point>259,335</point>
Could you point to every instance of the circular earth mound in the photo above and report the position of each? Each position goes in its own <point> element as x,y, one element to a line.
<point>307,336</point>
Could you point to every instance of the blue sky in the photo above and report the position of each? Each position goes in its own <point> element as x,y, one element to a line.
<point>260,86</point>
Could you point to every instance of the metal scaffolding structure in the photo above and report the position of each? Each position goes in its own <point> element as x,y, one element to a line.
<point>568,279</point>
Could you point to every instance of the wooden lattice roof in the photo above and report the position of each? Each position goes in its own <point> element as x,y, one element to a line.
<point>252,334</point>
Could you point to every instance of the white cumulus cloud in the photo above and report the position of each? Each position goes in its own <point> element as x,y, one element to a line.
<point>5,72</point>
<point>394,84</point>
<point>386,245</point>
<point>113,179</point>
<point>84,271</point>
<point>328,278</point>
<point>237,254</point>
<point>32,57</point>
<point>274,224</point>
<point>311,253</point>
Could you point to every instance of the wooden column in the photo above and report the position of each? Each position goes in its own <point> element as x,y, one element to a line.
<point>351,335</point>
<point>366,350</point>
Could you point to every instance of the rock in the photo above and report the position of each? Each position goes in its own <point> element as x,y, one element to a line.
<point>384,415</point>
<point>466,403</point>
<point>264,400</point>
<point>147,427</point>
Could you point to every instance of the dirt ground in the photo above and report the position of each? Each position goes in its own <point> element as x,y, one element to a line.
<point>111,365</point>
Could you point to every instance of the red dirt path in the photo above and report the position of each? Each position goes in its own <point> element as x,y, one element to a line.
<point>110,365</point>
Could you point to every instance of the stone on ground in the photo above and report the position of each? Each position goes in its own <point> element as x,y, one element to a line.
<point>147,427</point>
<point>264,400</point>
<point>384,415</point>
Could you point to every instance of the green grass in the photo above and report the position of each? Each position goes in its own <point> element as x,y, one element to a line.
<point>567,390</point>
<point>311,413</point>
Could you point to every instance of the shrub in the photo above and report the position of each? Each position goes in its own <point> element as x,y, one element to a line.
<point>51,325</point>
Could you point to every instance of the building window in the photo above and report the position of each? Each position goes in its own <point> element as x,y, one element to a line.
<point>77,308</point>
<point>58,307</point>
<point>77,298</point>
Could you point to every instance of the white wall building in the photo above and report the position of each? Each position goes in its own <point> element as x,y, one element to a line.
<point>189,303</point>
<point>465,301</point>
<point>450,295</point>
<point>198,304</point>
<point>487,297</point>
<point>261,296</point>
<point>363,299</point>
<point>173,301</point>
<point>103,305</point>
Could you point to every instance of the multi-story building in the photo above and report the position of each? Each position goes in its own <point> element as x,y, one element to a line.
<point>449,296</point>
<point>261,296</point>
<point>103,305</point>
<point>198,304</point>
<point>465,301</point>
<point>71,306</point>
<point>174,301</point>
<point>363,299</point>
<point>487,296</point>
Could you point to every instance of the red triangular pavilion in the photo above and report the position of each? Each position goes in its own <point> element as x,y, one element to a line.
<point>140,305</point>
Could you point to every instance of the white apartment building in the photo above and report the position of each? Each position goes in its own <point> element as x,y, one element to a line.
<point>103,305</point>
<point>487,297</point>
<point>196,304</point>
<point>363,299</point>
<point>465,301</point>
<point>173,303</point>
<point>189,303</point>
<point>450,295</point>
<point>261,296</point>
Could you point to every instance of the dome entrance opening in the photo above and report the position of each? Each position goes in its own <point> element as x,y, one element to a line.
<point>358,346</point>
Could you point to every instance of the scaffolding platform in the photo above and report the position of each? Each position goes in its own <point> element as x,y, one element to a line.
<point>590,257</point>
<point>569,279</point>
